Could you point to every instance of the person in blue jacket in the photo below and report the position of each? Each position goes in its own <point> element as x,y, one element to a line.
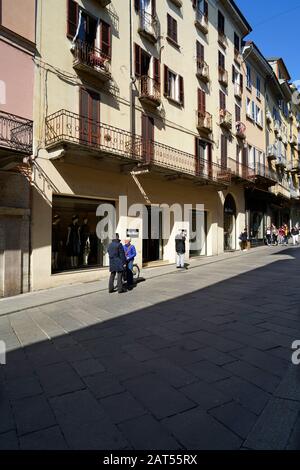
<point>130,254</point>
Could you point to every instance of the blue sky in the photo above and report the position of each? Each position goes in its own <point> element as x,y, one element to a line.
<point>276,29</point>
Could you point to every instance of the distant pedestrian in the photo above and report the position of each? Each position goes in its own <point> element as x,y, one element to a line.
<point>130,254</point>
<point>269,236</point>
<point>274,235</point>
<point>281,233</point>
<point>244,239</point>
<point>180,248</point>
<point>295,235</point>
<point>286,234</point>
<point>117,263</point>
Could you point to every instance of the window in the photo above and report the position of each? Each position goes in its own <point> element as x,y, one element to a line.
<point>237,113</point>
<point>237,77</point>
<point>258,116</point>
<point>236,43</point>
<point>222,98</point>
<point>199,51</point>
<point>172,28</point>
<point>253,113</point>
<point>149,6</point>
<point>201,6</point>
<point>201,102</point>
<point>223,150</point>
<point>221,23</point>
<point>258,87</point>
<point>249,82</point>
<point>105,38</point>
<point>145,65</point>
<point>221,60</point>
<point>173,86</point>
<point>248,107</point>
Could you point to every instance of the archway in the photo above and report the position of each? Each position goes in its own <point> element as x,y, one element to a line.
<point>229,223</point>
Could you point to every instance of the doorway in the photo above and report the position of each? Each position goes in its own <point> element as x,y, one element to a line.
<point>229,224</point>
<point>152,236</point>
<point>198,242</point>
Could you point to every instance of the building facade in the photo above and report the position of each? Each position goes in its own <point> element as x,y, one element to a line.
<point>17,50</point>
<point>161,103</point>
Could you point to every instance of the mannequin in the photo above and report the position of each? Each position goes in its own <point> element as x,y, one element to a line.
<point>56,240</point>
<point>73,242</point>
<point>85,241</point>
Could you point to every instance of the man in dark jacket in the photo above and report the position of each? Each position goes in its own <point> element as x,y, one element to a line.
<point>117,263</point>
<point>180,248</point>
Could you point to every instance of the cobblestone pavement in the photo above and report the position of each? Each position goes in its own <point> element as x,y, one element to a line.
<point>197,359</point>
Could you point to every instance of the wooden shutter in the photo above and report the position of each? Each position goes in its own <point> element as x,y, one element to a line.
<point>156,71</point>
<point>172,28</point>
<point>237,113</point>
<point>137,5</point>
<point>221,60</point>
<point>170,25</point>
<point>222,100</point>
<point>138,60</point>
<point>223,150</point>
<point>199,50</point>
<point>221,23</point>
<point>201,101</point>
<point>241,82</point>
<point>181,90</point>
<point>205,9</point>
<point>153,7</point>
<point>147,137</point>
<point>105,38</point>
<point>89,116</point>
<point>233,74</point>
<point>72,21</point>
<point>166,81</point>
<point>84,114</point>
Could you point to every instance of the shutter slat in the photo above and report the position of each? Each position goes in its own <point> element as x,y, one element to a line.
<point>181,90</point>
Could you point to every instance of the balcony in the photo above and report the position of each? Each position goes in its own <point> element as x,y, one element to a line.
<point>104,3</point>
<point>15,135</point>
<point>239,171</point>
<point>272,152</point>
<point>148,26</point>
<point>149,90</point>
<point>240,130</point>
<point>91,61</point>
<point>201,21</point>
<point>204,121</point>
<point>264,175</point>
<point>66,129</point>
<point>202,70</point>
<point>225,119</point>
<point>280,161</point>
<point>238,91</point>
<point>84,137</point>
<point>282,188</point>
<point>223,76</point>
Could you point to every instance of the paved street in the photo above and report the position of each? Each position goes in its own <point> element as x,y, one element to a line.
<point>197,359</point>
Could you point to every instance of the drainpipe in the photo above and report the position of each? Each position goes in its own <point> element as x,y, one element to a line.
<point>132,77</point>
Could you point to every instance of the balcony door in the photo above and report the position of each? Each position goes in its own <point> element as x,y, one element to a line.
<point>89,121</point>
<point>203,156</point>
<point>148,138</point>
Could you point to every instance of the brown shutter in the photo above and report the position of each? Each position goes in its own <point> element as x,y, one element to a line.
<point>222,100</point>
<point>169,21</point>
<point>205,9</point>
<point>181,90</point>
<point>137,60</point>
<point>153,7</point>
<point>223,151</point>
<point>72,21</point>
<point>241,82</point>
<point>200,51</point>
<point>174,30</point>
<point>237,113</point>
<point>156,71</point>
<point>137,5</point>
<point>233,74</point>
<point>201,101</point>
<point>105,38</point>
<point>166,81</point>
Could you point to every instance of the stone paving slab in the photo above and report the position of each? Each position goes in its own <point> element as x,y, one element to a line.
<point>199,359</point>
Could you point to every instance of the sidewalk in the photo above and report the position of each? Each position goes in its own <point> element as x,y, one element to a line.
<point>38,298</point>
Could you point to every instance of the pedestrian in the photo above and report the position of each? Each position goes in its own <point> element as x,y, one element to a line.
<point>117,264</point>
<point>243,239</point>
<point>269,236</point>
<point>286,234</point>
<point>274,235</point>
<point>295,235</point>
<point>130,254</point>
<point>180,248</point>
<point>281,235</point>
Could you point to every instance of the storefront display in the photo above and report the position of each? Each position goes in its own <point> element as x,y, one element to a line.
<point>75,244</point>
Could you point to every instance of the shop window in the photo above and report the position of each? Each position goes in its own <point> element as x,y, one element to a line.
<point>75,244</point>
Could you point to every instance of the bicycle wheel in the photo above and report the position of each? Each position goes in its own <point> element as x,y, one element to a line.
<point>135,272</point>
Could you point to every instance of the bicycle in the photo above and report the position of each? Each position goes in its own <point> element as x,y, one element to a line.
<point>135,272</point>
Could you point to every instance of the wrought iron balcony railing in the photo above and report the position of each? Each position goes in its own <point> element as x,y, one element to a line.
<point>92,60</point>
<point>65,127</point>
<point>239,170</point>
<point>225,118</point>
<point>148,25</point>
<point>265,172</point>
<point>15,133</point>
<point>202,70</point>
<point>204,121</point>
<point>223,76</point>
<point>240,130</point>
<point>201,21</point>
<point>149,90</point>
